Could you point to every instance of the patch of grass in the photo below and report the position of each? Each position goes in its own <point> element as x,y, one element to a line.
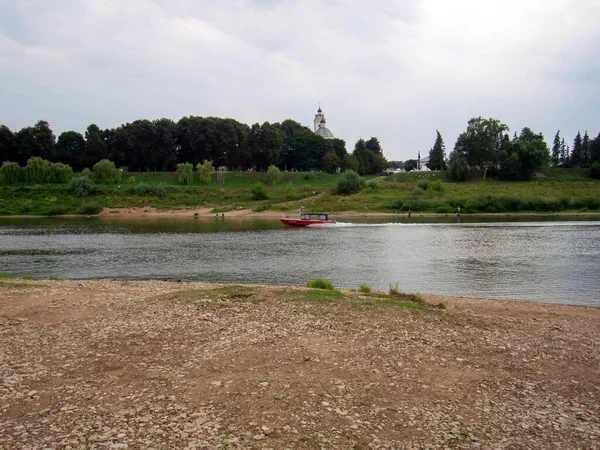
<point>364,289</point>
<point>55,278</point>
<point>28,277</point>
<point>315,295</point>
<point>162,380</point>
<point>7,276</point>
<point>319,283</point>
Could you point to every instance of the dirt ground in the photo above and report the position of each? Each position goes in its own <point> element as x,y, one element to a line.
<point>157,365</point>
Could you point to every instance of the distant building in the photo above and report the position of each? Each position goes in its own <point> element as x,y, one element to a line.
<point>321,125</point>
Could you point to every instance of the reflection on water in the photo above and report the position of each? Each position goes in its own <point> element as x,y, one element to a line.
<point>544,261</point>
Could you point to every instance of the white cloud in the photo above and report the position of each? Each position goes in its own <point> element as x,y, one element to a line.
<point>395,70</point>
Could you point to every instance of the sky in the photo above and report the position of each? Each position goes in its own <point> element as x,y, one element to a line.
<point>396,70</point>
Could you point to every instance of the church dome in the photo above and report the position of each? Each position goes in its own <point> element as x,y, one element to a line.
<point>324,132</point>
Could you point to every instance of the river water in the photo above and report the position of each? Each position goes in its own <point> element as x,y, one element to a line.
<point>552,261</point>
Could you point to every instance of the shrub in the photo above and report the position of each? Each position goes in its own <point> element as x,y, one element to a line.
<point>319,283</point>
<point>364,288</point>
<point>160,191</point>
<point>186,173</point>
<point>273,175</point>
<point>373,186</point>
<point>80,186</point>
<point>10,173</point>
<point>350,183</point>
<point>141,189</point>
<point>437,186</point>
<point>26,206</point>
<point>87,173</point>
<point>36,170</point>
<point>105,172</point>
<point>259,192</point>
<point>89,209</point>
<point>57,210</point>
<point>131,180</point>
<point>458,167</point>
<point>424,184</point>
<point>205,171</point>
<point>418,190</point>
<point>59,173</point>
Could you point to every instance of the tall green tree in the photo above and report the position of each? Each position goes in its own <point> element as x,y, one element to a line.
<point>374,145</point>
<point>437,154</point>
<point>585,150</point>
<point>522,157</point>
<point>34,141</point>
<point>6,144</point>
<point>264,143</point>
<point>331,162</point>
<point>577,151</point>
<point>70,149</point>
<point>410,165</point>
<point>481,142</point>
<point>95,146</point>
<point>556,149</point>
<point>458,166</point>
<point>361,152</point>
<point>564,153</point>
<point>595,149</point>
<point>349,162</point>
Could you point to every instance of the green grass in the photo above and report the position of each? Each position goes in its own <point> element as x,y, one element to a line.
<point>564,190</point>
<point>364,289</point>
<point>314,295</point>
<point>319,283</point>
<point>6,276</point>
<point>8,284</point>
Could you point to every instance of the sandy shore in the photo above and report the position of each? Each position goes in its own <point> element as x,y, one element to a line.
<point>141,365</point>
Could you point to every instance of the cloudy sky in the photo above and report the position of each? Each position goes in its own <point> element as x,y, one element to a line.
<point>397,70</point>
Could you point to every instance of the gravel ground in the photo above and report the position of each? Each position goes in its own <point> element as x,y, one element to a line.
<point>157,365</point>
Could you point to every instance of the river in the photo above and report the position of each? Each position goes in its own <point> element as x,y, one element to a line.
<point>551,261</point>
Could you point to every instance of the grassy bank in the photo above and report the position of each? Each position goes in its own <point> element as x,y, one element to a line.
<point>559,191</point>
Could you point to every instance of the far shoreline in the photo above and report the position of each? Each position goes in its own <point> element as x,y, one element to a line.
<point>208,213</point>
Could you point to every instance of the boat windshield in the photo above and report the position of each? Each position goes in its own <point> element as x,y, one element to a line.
<point>313,216</point>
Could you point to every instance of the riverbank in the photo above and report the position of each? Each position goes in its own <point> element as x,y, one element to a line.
<point>135,365</point>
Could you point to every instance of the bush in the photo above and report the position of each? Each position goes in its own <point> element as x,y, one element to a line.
<point>273,175</point>
<point>10,173</point>
<point>59,173</point>
<point>364,289</point>
<point>373,186</point>
<point>595,170</point>
<point>424,184</point>
<point>89,209</point>
<point>437,186</point>
<point>160,191</point>
<point>105,172</point>
<point>57,210</point>
<point>87,173</point>
<point>131,180</point>
<point>319,283</point>
<point>80,186</point>
<point>141,189</point>
<point>458,167</point>
<point>350,183</point>
<point>259,192</point>
<point>185,173</point>
<point>36,170</point>
<point>26,206</point>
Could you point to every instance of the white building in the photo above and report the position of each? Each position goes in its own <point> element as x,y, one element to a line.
<point>321,125</point>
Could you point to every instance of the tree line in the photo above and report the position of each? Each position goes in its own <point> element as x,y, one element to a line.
<point>162,144</point>
<point>486,145</point>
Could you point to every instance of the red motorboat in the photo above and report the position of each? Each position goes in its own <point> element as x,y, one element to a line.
<point>306,219</point>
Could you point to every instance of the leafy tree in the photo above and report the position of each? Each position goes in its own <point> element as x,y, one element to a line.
<point>70,149</point>
<point>350,183</point>
<point>437,155</point>
<point>10,173</point>
<point>595,170</point>
<point>7,152</point>
<point>105,172</point>
<point>205,171</point>
<point>59,173</point>
<point>273,175</point>
<point>349,162</point>
<point>374,145</point>
<point>264,144</point>
<point>481,142</point>
<point>185,173</point>
<point>523,156</point>
<point>577,152</point>
<point>556,147</point>
<point>95,146</point>
<point>564,153</point>
<point>410,164</point>
<point>36,170</point>
<point>361,152</point>
<point>331,162</point>
<point>458,166</point>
